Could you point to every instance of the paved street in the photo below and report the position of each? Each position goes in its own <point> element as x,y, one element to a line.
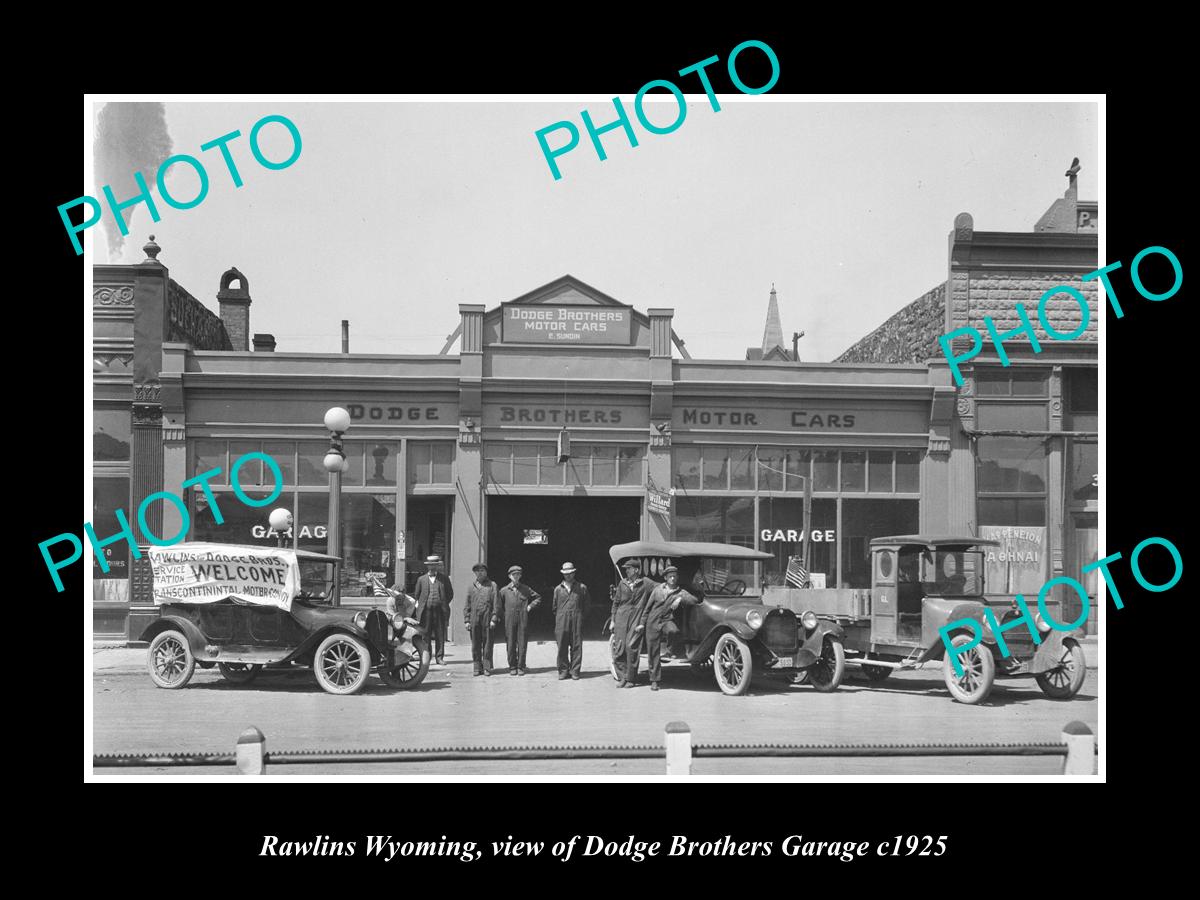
<point>452,708</point>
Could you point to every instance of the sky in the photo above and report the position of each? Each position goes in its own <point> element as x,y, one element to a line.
<point>395,213</point>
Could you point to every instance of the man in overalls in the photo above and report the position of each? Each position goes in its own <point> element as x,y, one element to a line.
<point>570,601</point>
<point>481,613</point>
<point>662,602</point>
<point>629,603</point>
<point>516,600</point>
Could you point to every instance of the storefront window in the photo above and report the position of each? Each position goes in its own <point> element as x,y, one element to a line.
<point>550,472</point>
<point>208,455</point>
<point>863,520</point>
<point>112,433</point>
<point>854,470</point>
<point>1083,405</point>
<point>825,470</point>
<point>312,520</point>
<point>1011,464</point>
<point>741,468</point>
<point>284,454</point>
<point>687,468</point>
<point>879,471</point>
<point>430,462</point>
<point>798,469</point>
<point>604,464</point>
<point>310,463</point>
<point>908,471</point>
<point>716,469</point>
<point>241,524</point>
<point>381,461</point>
<point>109,495</point>
<point>993,381</point>
<point>525,463</point>
<point>631,464</point>
<point>368,541</point>
<point>781,533</point>
<point>772,468</point>
<point>1085,471</point>
<point>722,520</point>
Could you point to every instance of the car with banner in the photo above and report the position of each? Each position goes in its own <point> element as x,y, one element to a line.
<point>249,610</point>
<point>740,636</point>
<point>922,583</point>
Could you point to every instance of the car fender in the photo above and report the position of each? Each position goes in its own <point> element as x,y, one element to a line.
<point>1049,652</point>
<point>705,648</point>
<point>176,623</point>
<point>812,646</point>
<point>963,611</point>
<point>309,645</point>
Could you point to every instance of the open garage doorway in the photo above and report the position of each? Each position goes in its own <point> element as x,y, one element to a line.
<point>576,529</point>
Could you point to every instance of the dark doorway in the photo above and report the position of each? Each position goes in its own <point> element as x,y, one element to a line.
<point>579,530</point>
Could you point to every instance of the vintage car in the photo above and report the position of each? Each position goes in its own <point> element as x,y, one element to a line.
<point>740,635</point>
<point>252,609</point>
<point>922,583</point>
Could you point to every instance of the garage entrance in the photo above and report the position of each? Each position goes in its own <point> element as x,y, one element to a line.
<point>577,529</point>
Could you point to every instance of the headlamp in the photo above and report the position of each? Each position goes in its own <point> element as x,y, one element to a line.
<point>754,618</point>
<point>809,619</point>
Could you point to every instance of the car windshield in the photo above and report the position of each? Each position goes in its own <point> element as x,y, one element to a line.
<point>955,572</point>
<point>315,580</point>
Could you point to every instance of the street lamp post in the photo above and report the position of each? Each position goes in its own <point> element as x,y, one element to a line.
<point>337,420</point>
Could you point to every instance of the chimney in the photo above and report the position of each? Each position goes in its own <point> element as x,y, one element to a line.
<point>235,308</point>
<point>345,335</point>
<point>264,343</point>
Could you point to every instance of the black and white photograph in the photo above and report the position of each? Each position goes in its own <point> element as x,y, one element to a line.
<point>703,432</point>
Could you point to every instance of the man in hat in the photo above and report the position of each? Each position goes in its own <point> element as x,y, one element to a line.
<point>434,593</point>
<point>516,600</point>
<point>629,602</point>
<point>662,602</point>
<point>570,601</point>
<point>481,613</point>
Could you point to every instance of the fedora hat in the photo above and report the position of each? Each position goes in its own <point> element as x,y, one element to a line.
<point>567,568</point>
<point>433,560</point>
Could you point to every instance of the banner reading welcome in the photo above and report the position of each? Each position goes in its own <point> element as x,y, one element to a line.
<point>208,573</point>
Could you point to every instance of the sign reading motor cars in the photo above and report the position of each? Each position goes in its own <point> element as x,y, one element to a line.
<point>207,573</point>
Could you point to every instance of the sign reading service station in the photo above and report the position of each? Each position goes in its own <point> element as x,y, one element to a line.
<point>558,324</point>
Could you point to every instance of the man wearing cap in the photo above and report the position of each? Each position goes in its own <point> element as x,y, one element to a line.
<point>481,614</point>
<point>570,601</point>
<point>516,600</point>
<point>663,600</point>
<point>434,593</point>
<point>629,602</point>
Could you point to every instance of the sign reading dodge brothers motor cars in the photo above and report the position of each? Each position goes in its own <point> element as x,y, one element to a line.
<point>547,324</point>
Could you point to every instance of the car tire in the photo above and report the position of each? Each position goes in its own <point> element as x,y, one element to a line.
<point>733,664</point>
<point>826,674</point>
<point>239,673</point>
<point>413,672</point>
<point>170,660</point>
<point>342,664</point>
<point>979,672</point>
<point>1065,681</point>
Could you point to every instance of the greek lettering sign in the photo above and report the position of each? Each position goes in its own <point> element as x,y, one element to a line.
<point>1016,566</point>
<point>561,324</point>
<point>208,573</point>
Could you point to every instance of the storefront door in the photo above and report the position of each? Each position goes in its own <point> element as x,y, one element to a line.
<point>575,529</point>
<point>1083,550</point>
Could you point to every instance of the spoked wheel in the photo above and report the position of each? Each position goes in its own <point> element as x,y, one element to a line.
<point>1065,681</point>
<point>239,673</point>
<point>411,673</point>
<point>170,660</point>
<point>342,664</point>
<point>732,665</point>
<point>827,672</point>
<point>978,672</point>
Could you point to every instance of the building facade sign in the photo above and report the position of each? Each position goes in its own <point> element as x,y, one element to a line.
<point>802,417</point>
<point>557,415</point>
<point>561,324</point>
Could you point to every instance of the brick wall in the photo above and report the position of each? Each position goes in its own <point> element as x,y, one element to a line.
<point>910,336</point>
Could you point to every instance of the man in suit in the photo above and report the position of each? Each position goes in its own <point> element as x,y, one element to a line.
<point>434,593</point>
<point>570,601</point>
<point>663,600</point>
<point>516,600</point>
<point>629,602</point>
<point>481,613</point>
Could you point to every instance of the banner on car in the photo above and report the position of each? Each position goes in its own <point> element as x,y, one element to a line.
<point>209,573</point>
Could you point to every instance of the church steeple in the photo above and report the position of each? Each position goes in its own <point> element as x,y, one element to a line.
<point>773,332</point>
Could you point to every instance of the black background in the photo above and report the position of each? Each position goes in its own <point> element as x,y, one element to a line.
<point>1032,836</point>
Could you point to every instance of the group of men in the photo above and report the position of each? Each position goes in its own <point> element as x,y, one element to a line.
<point>641,613</point>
